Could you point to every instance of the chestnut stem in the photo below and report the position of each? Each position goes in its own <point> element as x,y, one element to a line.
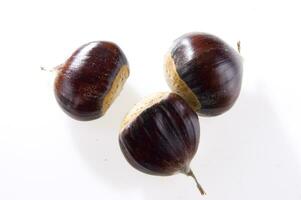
<point>54,69</point>
<point>238,46</point>
<point>191,174</point>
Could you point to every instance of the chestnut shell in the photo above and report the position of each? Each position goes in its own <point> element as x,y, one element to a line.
<point>163,138</point>
<point>88,82</point>
<point>209,72</point>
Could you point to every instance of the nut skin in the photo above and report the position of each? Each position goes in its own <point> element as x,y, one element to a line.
<point>209,68</point>
<point>87,78</point>
<point>163,138</point>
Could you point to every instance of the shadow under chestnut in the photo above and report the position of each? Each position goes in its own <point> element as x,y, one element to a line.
<point>243,154</point>
<point>246,154</point>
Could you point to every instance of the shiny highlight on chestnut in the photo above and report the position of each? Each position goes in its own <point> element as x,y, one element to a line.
<point>89,81</point>
<point>160,136</point>
<point>205,71</point>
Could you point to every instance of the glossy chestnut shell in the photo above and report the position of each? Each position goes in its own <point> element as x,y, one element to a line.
<point>160,135</point>
<point>205,71</point>
<point>90,80</point>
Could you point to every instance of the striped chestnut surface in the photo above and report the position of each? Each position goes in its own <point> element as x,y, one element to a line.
<point>160,136</point>
<point>89,81</point>
<point>205,71</point>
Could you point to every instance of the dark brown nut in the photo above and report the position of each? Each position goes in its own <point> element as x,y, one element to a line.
<point>160,136</point>
<point>90,80</point>
<point>205,71</point>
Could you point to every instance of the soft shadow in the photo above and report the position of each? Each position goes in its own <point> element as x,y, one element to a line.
<point>246,154</point>
<point>243,154</point>
<point>97,141</point>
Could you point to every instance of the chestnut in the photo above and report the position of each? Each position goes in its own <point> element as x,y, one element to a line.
<point>160,136</point>
<point>205,71</point>
<point>89,81</point>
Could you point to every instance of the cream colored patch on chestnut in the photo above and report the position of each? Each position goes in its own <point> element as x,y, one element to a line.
<point>141,106</point>
<point>177,85</point>
<point>116,87</point>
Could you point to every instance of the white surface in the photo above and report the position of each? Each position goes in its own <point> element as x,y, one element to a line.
<point>251,152</point>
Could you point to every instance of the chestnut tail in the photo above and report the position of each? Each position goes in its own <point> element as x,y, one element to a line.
<point>54,69</point>
<point>238,46</point>
<point>191,174</point>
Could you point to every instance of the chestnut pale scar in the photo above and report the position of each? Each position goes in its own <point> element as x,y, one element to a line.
<point>141,106</point>
<point>178,85</point>
<point>116,88</point>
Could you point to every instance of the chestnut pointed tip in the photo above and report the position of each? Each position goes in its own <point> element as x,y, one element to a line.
<point>238,44</point>
<point>54,69</point>
<point>200,188</point>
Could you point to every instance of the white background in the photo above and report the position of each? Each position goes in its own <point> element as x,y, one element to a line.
<point>251,152</point>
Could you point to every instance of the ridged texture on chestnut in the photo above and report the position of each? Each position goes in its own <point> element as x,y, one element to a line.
<point>90,80</point>
<point>205,71</point>
<point>160,135</point>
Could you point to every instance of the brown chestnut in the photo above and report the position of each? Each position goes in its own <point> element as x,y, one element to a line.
<point>205,71</point>
<point>160,136</point>
<point>89,81</point>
